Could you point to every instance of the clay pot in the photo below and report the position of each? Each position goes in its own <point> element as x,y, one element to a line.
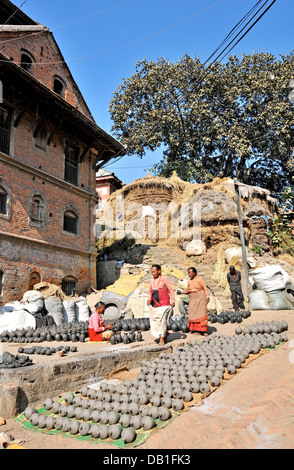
<point>55,407</point>
<point>187,396</point>
<point>86,415</point>
<point>68,397</point>
<point>133,408</point>
<point>63,410</point>
<point>214,381</point>
<point>91,393</point>
<point>29,411</point>
<point>118,337</point>
<point>231,369</point>
<point>204,388</point>
<point>85,404</point>
<point>42,421</point>
<point>95,416</point>
<point>125,420</point>
<point>113,339</point>
<point>139,336</point>
<point>166,402</point>
<point>84,390</point>
<point>135,421</point>
<point>113,417</point>
<point>143,410</point>
<point>143,398</point>
<point>58,423</point>
<point>177,404</point>
<point>164,413</point>
<point>77,400</point>
<point>128,435</point>
<point>155,400</point>
<point>49,422</point>
<point>95,430</point>
<point>103,432</point>
<point>79,412</point>
<point>48,403</point>
<point>148,422</point>
<point>82,337</point>
<point>74,427</point>
<point>34,419</point>
<point>153,412</point>
<point>114,431</point>
<point>84,429</point>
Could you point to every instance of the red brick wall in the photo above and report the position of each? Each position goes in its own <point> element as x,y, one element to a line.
<point>25,248</point>
<point>47,61</point>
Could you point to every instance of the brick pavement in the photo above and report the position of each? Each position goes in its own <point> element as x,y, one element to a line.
<point>253,410</point>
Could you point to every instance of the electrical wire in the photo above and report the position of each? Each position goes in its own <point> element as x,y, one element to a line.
<point>11,16</point>
<point>206,73</point>
<point>118,47</point>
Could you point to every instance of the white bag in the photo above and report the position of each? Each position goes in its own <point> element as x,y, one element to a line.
<point>53,305</point>
<point>278,301</point>
<point>11,306</point>
<point>270,278</point>
<point>258,300</point>
<point>69,310</point>
<point>16,320</point>
<point>82,310</point>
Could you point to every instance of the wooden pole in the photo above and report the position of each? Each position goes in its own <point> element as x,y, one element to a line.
<point>242,238</point>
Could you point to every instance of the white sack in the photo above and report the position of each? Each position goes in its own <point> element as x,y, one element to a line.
<point>11,306</point>
<point>270,278</point>
<point>258,300</point>
<point>31,307</point>
<point>69,310</point>
<point>32,296</point>
<point>17,319</point>
<point>54,307</point>
<point>82,310</point>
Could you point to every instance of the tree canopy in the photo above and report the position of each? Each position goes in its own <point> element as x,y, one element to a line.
<point>227,120</point>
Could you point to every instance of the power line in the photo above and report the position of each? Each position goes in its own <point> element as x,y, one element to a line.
<point>118,47</point>
<point>61,26</point>
<point>206,73</point>
<point>12,15</point>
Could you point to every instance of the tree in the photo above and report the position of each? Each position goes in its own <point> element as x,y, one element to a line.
<point>230,119</point>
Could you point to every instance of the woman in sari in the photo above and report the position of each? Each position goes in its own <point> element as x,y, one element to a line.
<point>161,300</point>
<point>198,300</point>
<point>97,330</point>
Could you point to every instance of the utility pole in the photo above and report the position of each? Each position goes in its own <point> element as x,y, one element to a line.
<point>242,238</point>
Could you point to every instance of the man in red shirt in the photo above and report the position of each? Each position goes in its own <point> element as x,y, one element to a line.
<point>234,280</point>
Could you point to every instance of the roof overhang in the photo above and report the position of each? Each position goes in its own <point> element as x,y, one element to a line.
<point>21,85</point>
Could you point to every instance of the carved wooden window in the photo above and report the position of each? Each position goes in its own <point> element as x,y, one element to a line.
<point>5,128</point>
<point>71,165</point>
<point>70,222</point>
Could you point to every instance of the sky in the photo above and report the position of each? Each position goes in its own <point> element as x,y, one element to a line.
<point>102,40</point>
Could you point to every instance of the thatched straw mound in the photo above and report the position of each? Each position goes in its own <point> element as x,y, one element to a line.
<point>167,197</point>
<point>48,289</point>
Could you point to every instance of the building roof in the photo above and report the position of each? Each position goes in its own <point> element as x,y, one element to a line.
<point>15,77</point>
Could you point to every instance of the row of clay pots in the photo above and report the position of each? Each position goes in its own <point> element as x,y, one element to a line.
<point>264,327</point>
<point>126,337</point>
<point>204,364</point>
<point>128,324</point>
<point>74,426</point>
<point>76,331</point>
<point>229,316</point>
<point>47,351</point>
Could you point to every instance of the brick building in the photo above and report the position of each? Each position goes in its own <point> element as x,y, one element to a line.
<point>50,150</point>
<point>106,184</point>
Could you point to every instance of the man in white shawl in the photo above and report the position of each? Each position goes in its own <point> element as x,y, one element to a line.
<point>161,300</point>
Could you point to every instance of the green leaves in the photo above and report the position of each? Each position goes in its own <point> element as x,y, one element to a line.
<point>230,119</point>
